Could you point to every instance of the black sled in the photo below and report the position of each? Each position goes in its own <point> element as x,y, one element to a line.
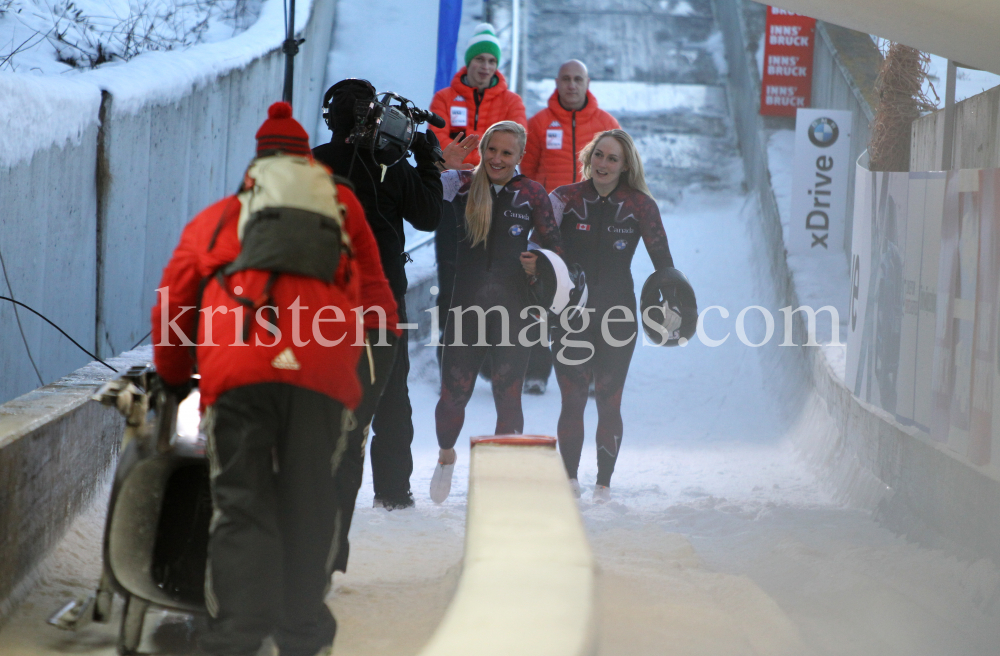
<point>156,531</point>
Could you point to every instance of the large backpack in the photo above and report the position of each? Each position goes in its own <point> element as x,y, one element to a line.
<point>290,219</point>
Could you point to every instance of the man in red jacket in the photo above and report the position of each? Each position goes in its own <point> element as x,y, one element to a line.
<point>277,354</point>
<point>477,98</point>
<point>556,135</point>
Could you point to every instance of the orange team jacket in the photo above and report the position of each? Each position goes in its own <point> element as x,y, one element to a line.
<point>465,109</point>
<point>324,352</point>
<point>555,138</point>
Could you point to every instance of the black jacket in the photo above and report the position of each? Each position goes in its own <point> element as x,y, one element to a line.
<point>407,192</point>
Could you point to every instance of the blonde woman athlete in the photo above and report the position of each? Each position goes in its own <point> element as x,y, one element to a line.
<point>601,222</point>
<point>493,268</point>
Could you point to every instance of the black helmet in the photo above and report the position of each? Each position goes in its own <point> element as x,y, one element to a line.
<point>668,288</point>
<point>341,100</point>
<point>558,286</point>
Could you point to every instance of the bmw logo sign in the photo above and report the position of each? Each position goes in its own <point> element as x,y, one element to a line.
<point>620,245</point>
<point>515,230</point>
<point>823,132</point>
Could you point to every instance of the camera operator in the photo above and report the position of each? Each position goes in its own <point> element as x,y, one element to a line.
<point>388,195</point>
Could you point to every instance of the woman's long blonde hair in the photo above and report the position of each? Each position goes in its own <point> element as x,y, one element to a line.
<point>479,207</point>
<point>633,175</point>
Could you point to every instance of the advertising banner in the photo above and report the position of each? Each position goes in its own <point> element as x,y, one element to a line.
<point>951,383</point>
<point>819,180</point>
<point>909,326</point>
<point>864,183</point>
<point>924,321</point>
<point>449,20</point>
<point>877,305</point>
<point>984,356</point>
<point>933,212</point>
<point>788,58</point>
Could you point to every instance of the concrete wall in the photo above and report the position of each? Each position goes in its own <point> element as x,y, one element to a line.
<point>47,229</point>
<point>88,224</point>
<point>929,493</point>
<point>89,218</point>
<point>976,144</point>
<point>845,65</point>
<point>55,444</point>
<point>185,156</point>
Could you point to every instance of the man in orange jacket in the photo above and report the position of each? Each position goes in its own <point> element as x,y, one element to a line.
<point>477,98</point>
<point>558,133</point>
<point>277,354</point>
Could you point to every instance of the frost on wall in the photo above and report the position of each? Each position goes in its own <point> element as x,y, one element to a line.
<point>38,112</point>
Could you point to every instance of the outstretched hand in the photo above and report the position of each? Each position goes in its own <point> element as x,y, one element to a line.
<point>460,148</point>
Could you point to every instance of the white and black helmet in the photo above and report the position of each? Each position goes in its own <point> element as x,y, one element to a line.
<point>558,286</point>
<point>668,308</point>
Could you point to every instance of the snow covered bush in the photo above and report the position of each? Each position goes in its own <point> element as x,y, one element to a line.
<point>88,33</point>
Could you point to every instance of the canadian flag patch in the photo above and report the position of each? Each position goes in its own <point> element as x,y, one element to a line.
<point>583,226</point>
<point>286,360</point>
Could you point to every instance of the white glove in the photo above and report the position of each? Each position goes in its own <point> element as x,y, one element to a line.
<point>671,320</point>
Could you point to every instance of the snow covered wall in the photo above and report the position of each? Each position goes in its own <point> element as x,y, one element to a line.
<point>100,171</point>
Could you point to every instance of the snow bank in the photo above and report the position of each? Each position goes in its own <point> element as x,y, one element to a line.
<point>39,112</point>
<point>167,77</point>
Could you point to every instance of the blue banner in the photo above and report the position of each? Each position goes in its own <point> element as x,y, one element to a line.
<point>449,19</point>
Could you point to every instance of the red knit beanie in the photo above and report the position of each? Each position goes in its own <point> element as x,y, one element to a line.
<point>282,132</point>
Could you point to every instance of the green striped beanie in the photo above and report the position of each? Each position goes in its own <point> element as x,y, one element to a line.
<point>484,39</point>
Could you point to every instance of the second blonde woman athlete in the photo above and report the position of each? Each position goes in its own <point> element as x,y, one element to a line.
<point>601,221</point>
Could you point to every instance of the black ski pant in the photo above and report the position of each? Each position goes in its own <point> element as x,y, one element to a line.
<point>273,450</point>
<point>539,364</point>
<point>445,249</point>
<point>607,366</point>
<point>373,370</point>
<point>392,427</point>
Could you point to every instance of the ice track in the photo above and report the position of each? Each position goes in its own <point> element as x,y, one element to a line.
<point>722,538</point>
